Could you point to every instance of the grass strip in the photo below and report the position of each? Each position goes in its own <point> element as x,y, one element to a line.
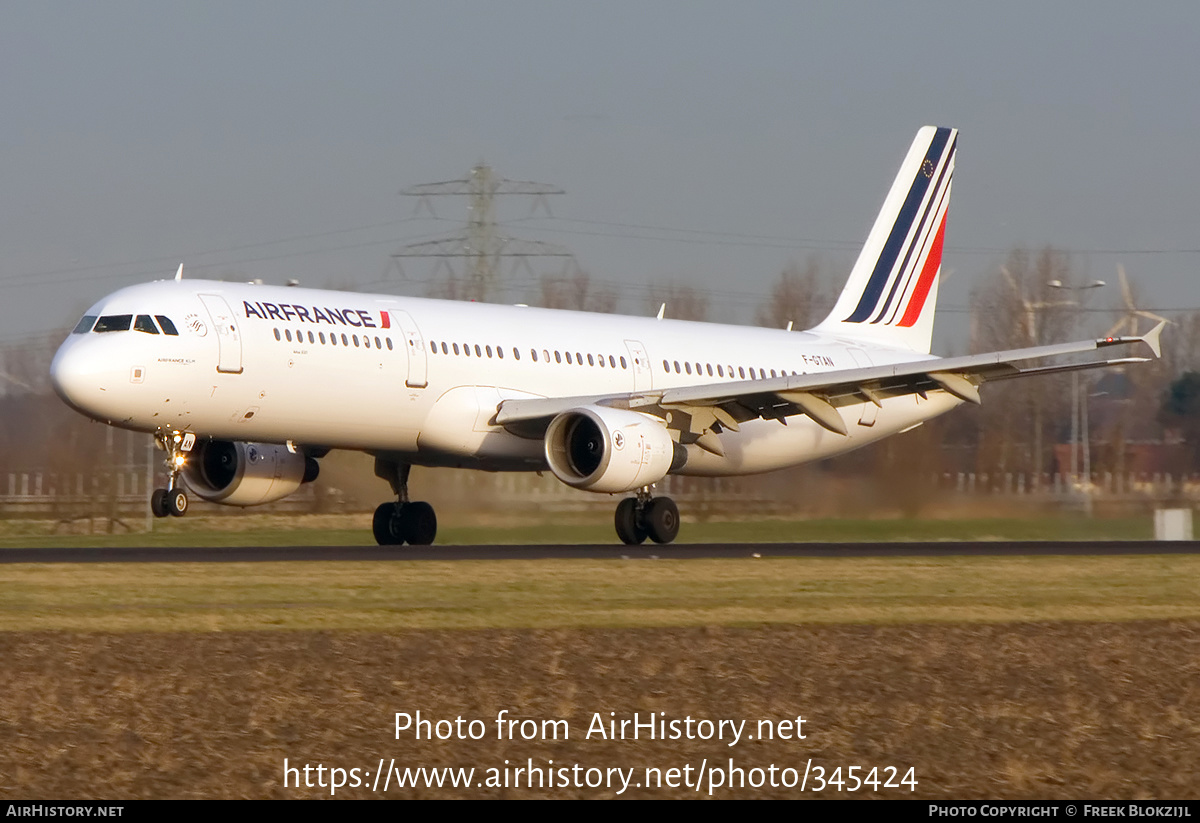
<point>593,593</point>
<point>355,530</point>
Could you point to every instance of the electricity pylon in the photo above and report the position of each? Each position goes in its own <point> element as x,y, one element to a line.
<point>482,244</point>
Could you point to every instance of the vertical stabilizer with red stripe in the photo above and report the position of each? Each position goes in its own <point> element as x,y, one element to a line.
<point>892,291</point>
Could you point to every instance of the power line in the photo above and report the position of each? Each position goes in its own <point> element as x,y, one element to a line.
<point>185,256</point>
<point>481,244</point>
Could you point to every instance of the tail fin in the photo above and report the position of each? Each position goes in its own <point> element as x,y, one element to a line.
<point>892,291</point>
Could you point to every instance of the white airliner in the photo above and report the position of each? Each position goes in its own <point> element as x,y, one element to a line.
<point>246,386</point>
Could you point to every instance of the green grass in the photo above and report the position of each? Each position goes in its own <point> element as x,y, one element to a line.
<point>576,593</point>
<point>355,530</point>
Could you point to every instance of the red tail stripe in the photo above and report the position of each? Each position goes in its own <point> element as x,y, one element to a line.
<point>925,281</point>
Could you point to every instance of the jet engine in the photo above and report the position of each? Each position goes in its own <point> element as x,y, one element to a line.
<point>246,474</point>
<point>609,450</point>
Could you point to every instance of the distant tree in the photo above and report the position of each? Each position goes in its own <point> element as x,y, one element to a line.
<point>797,297</point>
<point>1180,412</point>
<point>1017,307</point>
<point>450,287</point>
<point>1181,344</point>
<point>576,292</point>
<point>683,302</point>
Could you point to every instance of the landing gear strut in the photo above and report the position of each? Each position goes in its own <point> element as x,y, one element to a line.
<point>172,500</point>
<point>395,524</point>
<point>645,516</point>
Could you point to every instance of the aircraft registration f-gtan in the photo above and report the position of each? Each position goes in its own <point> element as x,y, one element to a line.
<point>247,386</point>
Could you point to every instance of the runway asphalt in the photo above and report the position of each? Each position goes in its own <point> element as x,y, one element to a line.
<point>260,554</point>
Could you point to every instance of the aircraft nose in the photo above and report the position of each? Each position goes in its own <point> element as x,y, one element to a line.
<point>77,375</point>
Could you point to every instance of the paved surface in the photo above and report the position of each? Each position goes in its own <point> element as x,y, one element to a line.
<point>261,554</point>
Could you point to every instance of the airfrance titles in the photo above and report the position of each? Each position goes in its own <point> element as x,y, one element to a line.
<point>288,312</point>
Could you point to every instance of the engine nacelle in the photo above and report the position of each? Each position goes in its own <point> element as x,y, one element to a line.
<point>608,450</point>
<point>246,474</point>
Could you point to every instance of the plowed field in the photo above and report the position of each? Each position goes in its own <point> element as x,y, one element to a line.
<point>1020,710</point>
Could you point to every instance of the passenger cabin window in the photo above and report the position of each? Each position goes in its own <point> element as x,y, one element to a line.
<point>85,324</point>
<point>114,322</point>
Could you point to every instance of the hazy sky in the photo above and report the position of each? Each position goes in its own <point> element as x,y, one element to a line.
<point>699,142</point>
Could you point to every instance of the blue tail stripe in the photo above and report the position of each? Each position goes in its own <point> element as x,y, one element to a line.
<point>929,210</point>
<point>895,241</point>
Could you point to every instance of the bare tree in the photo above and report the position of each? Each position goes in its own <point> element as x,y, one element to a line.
<point>576,292</point>
<point>1020,305</point>
<point>683,302</point>
<point>798,297</point>
<point>450,287</point>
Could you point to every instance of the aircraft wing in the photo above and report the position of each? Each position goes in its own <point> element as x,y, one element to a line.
<point>705,409</point>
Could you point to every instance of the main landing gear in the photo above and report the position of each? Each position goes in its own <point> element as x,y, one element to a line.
<point>402,522</point>
<point>172,500</point>
<point>645,516</point>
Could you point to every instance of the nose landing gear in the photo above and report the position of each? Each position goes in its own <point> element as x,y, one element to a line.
<point>172,500</point>
<point>644,516</point>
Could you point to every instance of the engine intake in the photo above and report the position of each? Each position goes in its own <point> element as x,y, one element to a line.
<point>608,450</point>
<point>246,474</point>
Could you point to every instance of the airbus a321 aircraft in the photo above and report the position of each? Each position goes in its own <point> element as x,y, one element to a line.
<point>247,386</point>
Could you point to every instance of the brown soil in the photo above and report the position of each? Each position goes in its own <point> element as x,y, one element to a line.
<point>1059,710</point>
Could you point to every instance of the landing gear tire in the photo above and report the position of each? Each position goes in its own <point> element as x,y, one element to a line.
<point>628,529</point>
<point>384,525</point>
<point>158,503</point>
<point>420,523</point>
<point>661,519</point>
<point>395,524</point>
<point>177,502</point>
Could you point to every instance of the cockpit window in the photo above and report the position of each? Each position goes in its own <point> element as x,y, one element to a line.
<point>85,325</point>
<point>144,323</point>
<point>114,322</point>
<point>167,326</point>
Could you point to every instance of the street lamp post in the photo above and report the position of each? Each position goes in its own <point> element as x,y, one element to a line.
<point>1079,412</point>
